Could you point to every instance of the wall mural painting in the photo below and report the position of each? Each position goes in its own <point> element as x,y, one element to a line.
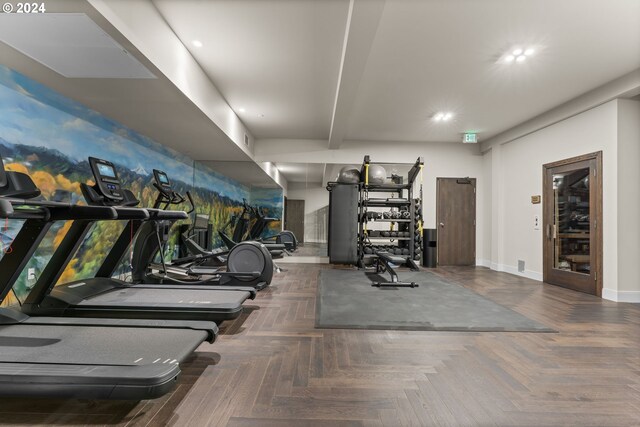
<point>271,202</point>
<point>50,137</point>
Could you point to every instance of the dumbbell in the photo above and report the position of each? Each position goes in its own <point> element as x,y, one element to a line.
<point>417,250</point>
<point>397,251</point>
<point>405,214</point>
<point>405,251</point>
<point>368,250</point>
<point>386,215</point>
<point>384,233</point>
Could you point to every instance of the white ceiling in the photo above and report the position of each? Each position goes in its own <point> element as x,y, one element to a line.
<point>301,172</point>
<point>430,56</point>
<point>403,60</point>
<point>282,58</point>
<point>153,107</point>
<point>247,173</point>
<point>70,44</point>
<point>279,58</point>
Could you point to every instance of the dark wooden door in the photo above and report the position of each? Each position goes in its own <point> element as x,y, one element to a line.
<point>294,218</point>
<point>572,223</point>
<point>456,221</point>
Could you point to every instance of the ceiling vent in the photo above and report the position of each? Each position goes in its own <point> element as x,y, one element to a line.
<point>70,44</point>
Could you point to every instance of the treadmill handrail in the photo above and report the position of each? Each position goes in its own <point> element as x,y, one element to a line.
<point>160,214</point>
<point>126,213</point>
<point>59,211</point>
<point>78,212</point>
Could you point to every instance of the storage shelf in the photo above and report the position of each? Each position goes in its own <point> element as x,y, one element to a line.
<point>399,197</point>
<point>384,204</point>
<point>387,187</point>
<point>389,238</point>
<point>389,220</point>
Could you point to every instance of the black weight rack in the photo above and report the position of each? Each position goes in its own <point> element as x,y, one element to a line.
<point>408,237</point>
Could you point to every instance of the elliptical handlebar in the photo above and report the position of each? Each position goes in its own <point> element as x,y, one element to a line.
<point>191,203</point>
<point>171,197</point>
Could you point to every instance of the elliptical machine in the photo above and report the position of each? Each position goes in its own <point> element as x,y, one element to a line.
<point>260,223</point>
<point>241,227</point>
<point>247,264</point>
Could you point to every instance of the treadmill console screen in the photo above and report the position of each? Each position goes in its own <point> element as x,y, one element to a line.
<point>107,179</point>
<point>162,179</point>
<point>106,170</point>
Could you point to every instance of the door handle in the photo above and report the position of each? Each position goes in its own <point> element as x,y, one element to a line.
<point>442,224</point>
<point>548,231</point>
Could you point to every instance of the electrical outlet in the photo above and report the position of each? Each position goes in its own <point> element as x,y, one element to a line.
<point>536,222</point>
<point>31,274</point>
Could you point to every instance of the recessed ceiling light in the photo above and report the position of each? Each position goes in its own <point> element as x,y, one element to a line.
<point>442,117</point>
<point>241,110</point>
<point>517,55</point>
<point>197,43</point>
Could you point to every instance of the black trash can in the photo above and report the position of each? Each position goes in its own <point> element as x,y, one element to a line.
<point>430,248</point>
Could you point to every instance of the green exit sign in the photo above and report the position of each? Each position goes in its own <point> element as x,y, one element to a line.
<point>470,138</point>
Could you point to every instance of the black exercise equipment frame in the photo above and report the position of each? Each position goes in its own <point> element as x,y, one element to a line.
<point>364,202</point>
<point>383,265</point>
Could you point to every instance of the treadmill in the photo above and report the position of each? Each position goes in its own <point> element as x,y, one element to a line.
<point>80,358</point>
<point>111,298</point>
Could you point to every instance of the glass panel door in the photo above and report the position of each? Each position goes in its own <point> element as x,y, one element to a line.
<point>572,197</point>
<point>571,217</point>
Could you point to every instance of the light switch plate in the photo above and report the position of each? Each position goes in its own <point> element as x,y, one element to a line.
<point>536,222</point>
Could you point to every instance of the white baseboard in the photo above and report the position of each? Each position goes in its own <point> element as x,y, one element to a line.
<point>621,296</point>
<point>533,275</point>
<point>483,263</point>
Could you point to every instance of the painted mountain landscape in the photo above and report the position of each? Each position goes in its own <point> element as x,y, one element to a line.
<point>51,137</point>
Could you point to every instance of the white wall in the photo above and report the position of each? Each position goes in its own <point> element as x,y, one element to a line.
<point>440,159</point>
<point>517,167</point>
<point>316,199</point>
<point>483,227</point>
<point>628,201</point>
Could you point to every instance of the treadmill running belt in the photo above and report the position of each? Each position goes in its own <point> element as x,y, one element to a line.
<point>168,298</point>
<point>95,345</point>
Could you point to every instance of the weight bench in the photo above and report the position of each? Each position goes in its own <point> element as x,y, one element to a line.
<point>383,263</point>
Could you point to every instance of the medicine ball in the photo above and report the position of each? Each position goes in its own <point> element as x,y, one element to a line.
<point>349,174</point>
<point>377,174</point>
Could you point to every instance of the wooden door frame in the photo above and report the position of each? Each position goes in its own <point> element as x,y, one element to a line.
<point>475,215</point>
<point>596,245</point>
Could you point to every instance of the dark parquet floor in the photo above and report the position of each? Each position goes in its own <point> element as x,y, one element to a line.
<point>272,368</point>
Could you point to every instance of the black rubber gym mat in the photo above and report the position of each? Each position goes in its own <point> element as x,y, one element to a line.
<point>346,300</point>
